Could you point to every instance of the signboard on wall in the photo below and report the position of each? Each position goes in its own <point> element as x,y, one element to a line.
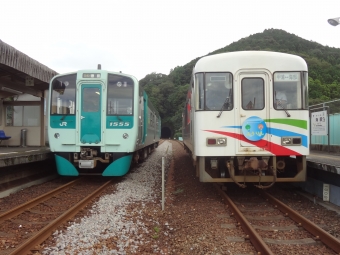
<point>29,81</point>
<point>319,123</point>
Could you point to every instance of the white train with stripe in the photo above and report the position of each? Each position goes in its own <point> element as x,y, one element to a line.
<point>246,118</point>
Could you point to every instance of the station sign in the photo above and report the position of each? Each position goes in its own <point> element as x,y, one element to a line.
<point>319,123</point>
<point>326,191</point>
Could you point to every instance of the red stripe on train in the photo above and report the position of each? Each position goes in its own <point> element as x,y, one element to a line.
<point>272,147</point>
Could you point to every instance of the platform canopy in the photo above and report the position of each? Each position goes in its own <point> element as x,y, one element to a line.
<point>20,74</point>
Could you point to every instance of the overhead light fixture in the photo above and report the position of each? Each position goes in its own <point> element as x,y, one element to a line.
<point>11,90</point>
<point>334,21</point>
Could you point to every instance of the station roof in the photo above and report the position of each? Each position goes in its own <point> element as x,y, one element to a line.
<point>20,74</point>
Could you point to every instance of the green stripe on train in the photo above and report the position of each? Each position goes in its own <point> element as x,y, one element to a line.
<point>290,122</point>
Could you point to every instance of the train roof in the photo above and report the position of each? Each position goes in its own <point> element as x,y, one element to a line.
<point>102,71</point>
<point>234,61</point>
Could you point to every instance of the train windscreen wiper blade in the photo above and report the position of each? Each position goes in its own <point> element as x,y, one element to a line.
<point>64,116</point>
<point>279,103</point>
<point>226,103</point>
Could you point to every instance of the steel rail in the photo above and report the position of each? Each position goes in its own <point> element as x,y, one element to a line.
<point>259,244</point>
<point>320,234</point>
<point>23,207</point>
<point>44,233</point>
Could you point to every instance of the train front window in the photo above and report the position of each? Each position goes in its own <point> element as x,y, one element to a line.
<point>252,93</point>
<point>63,95</point>
<point>287,90</point>
<point>120,95</point>
<point>218,91</point>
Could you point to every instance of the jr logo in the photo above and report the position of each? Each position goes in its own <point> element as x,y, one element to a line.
<point>63,124</point>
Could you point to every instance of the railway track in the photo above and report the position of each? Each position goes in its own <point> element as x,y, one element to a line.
<point>271,226</point>
<point>195,221</point>
<point>29,224</point>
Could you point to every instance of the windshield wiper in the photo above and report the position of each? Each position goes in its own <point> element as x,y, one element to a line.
<point>226,103</point>
<point>64,116</point>
<point>279,103</point>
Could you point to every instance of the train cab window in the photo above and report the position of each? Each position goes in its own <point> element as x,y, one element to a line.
<point>91,100</point>
<point>63,95</point>
<point>120,95</point>
<point>218,91</point>
<point>287,91</point>
<point>252,90</point>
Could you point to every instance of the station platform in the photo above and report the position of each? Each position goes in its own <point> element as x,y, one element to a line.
<point>323,160</point>
<point>16,174</point>
<point>323,176</point>
<point>10,156</point>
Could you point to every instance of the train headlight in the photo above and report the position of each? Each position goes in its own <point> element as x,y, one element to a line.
<point>291,141</point>
<point>286,140</point>
<point>125,136</point>
<point>56,135</point>
<point>216,141</point>
<point>221,141</point>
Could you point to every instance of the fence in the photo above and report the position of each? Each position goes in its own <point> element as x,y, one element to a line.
<point>330,142</point>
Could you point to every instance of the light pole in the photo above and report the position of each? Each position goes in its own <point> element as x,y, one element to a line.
<point>334,21</point>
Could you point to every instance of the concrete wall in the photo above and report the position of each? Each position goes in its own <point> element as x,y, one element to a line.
<point>315,187</point>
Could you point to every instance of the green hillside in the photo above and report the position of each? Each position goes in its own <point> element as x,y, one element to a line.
<point>168,92</point>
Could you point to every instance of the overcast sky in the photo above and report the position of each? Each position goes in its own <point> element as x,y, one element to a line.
<point>140,37</point>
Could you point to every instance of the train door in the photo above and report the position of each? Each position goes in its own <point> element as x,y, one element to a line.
<point>90,114</point>
<point>253,93</point>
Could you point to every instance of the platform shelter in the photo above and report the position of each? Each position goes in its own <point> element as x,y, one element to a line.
<point>24,84</point>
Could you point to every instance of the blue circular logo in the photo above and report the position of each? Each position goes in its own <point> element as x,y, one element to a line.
<point>254,128</point>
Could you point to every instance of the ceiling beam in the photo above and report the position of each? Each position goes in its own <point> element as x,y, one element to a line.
<point>19,87</point>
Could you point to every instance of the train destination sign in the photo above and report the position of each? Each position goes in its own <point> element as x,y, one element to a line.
<point>91,75</point>
<point>293,76</point>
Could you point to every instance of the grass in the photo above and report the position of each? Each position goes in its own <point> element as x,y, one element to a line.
<point>156,234</point>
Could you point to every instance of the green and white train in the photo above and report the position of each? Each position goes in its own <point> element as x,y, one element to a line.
<point>99,122</point>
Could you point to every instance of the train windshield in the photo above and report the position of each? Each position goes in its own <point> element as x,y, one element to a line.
<point>63,97</point>
<point>120,95</point>
<point>218,91</point>
<point>288,91</point>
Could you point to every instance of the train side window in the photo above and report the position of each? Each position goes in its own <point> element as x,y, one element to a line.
<point>199,96</point>
<point>120,95</point>
<point>252,93</point>
<point>305,91</point>
<point>63,95</point>
<point>289,84</point>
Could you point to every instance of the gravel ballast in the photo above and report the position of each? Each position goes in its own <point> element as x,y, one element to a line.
<point>111,217</point>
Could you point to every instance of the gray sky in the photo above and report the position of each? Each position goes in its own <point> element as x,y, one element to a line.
<point>141,37</point>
